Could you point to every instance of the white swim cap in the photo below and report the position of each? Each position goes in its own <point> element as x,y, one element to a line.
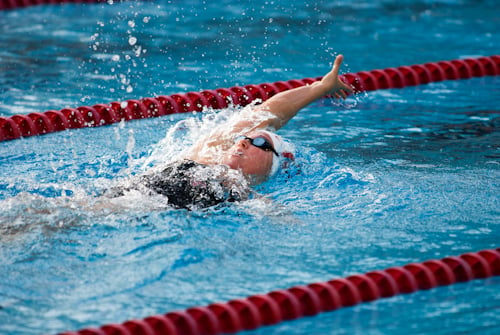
<point>284,149</point>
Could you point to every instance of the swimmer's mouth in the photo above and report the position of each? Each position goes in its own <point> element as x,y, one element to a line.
<point>237,153</point>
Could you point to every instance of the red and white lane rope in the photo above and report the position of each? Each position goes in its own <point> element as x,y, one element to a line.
<point>300,301</point>
<point>17,126</point>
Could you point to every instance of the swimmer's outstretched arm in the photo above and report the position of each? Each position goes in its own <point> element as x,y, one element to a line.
<point>273,113</point>
<point>285,105</point>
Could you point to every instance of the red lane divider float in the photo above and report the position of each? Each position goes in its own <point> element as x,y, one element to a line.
<point>104,114</point>
<point>282,305</point>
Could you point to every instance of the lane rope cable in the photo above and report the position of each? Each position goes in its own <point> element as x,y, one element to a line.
<point>32,124</point>
<point>308,300</point>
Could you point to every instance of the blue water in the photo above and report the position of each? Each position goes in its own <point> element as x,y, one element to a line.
<point>384,179</point>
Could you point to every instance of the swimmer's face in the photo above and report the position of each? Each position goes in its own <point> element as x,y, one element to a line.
<point>249,159</point>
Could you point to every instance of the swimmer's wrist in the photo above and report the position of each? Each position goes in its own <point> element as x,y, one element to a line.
<point>322,88</point>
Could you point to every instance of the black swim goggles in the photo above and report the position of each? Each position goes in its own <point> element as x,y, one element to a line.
<point>259,142</point>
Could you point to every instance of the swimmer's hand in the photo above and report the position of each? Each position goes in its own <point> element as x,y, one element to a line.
<point>332,84</point>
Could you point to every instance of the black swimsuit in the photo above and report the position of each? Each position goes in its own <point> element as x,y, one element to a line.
<point>188,184</point>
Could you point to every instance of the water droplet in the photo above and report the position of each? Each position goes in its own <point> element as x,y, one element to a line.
<point>137,51</point>
<point>132,40</point>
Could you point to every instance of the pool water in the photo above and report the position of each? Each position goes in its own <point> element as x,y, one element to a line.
<point>383,179</point>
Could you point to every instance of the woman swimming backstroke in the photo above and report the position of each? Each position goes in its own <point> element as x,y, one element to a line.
<point>243,151</point>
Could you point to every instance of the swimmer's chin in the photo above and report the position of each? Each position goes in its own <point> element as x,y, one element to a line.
<point>233,161</point>
<point>252,179</point>
<point>256,179</point>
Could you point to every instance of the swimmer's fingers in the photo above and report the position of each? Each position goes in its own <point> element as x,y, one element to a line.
<point>331,77</point>
<point>346,87</point>
<point>342,91</point>
<point>336,64</point>
<point>335,85</point>
<point>340,95</point>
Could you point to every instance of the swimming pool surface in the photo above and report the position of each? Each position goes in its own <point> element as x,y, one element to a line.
<point>384,179</point>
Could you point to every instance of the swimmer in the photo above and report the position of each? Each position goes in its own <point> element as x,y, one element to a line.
<point>244,151</point>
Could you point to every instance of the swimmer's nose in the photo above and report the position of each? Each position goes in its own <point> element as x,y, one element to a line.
<point>244,143</point>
